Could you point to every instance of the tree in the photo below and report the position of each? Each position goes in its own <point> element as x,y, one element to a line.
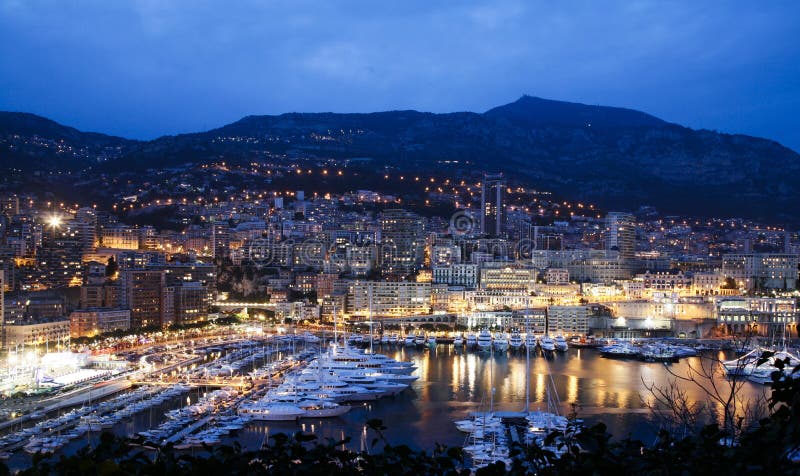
<point>112,268</point>
<point>729,283</point>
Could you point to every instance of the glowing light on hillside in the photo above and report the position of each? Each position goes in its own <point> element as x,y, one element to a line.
<point>54,221</point>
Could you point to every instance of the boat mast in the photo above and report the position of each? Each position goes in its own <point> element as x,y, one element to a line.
<point>527,356</point>
<point>491,378</point>
<point>335,329</point>
<point>370,318</point>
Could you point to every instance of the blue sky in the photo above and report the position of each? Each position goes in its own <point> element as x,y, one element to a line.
<point>146,68</point>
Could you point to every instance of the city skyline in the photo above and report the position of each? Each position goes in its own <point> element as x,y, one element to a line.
<point>597,271</point>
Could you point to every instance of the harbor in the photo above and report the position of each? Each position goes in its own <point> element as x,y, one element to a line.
<point>482,394</point>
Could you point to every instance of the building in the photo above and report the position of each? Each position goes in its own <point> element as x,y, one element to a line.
<point>120,237</point>
<point>146,294</point>
<point>673,281</point>
<point>763,316</point>
<point>492,206</point>
<point>100,295</point>
<point>92,322</point>
<point>556,276</point>
<point>507,278</point>
<point>621,234</point>
<point>191,301</point>
<point>569,320</point>
<point>762,271</point>
<point>526,320</point>
<point>402,242</point>
<point>37,333</point>
<point>389,298</point>
<point>457,275</point>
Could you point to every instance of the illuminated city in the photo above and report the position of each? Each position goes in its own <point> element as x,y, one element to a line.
<point>516,285</point>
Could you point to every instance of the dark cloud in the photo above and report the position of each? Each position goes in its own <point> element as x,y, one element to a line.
<point>146,68</point>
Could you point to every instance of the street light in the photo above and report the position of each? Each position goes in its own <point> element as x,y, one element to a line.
<point>54,221</point>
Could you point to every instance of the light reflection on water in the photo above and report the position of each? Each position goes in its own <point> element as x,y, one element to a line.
<point>453,383</point>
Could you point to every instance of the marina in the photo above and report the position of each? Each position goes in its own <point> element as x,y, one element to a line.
<point>433,394</point>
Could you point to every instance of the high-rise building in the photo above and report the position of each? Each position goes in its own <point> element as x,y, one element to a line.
<point>492,207</point>
<point>145,294</point>
<point>402,242</point>
<point>621,234</point>
<point>9,205</point>
<point>220,239</point>
<point>191,301</point>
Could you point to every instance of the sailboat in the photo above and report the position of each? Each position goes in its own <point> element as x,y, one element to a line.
<point>487,442</point>
<point>542,423</point>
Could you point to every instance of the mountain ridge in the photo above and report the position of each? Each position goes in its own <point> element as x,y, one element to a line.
<point>613,156</point>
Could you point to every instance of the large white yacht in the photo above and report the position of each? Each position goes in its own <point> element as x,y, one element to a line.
<point>485,340</point>
<point>530,341</point>
<point>500,342</point>
<point>472,341</point>
<point>560,343</point>
<point>515,342</point>
<point>378,362</point>
<point>271,411</point>
<point>547,343</point>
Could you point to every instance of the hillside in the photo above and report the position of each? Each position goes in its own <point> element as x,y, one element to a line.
<point>615,157</point>
<point>29,142</point>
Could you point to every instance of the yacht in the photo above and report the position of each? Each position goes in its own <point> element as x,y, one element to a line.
<point>410,340</point>
<point>620,350</point>
<point>747,366</point>
<point>311,338</point>
<point>588,341</point>
<point>432,342</point>
<point>515,342</point>
<point>322,409</point>
<point>658,353</point>
<point>472,341</point>
<point>458,341</point>
<point>271,411</point>
<point>384,339</point>
<point>500,342</point>
<point>393,339</point>
<point>547,343</point>
<point>484,340</point>
<point>419,340</point>
<point>383,388</point>
<point>378,362</point>
<point>530,341</point>
<point>560,343</point>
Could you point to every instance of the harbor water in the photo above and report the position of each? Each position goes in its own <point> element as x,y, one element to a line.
<point>454,382</point>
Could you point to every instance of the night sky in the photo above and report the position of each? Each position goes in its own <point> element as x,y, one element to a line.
<point>142,69</point>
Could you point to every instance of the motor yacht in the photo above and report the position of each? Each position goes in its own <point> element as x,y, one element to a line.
<point>500,342</point>
<point>270,411</point>
<point>560,343</point>
<point>547,343</point>
<point>484,340</point>
<point>515,342</point>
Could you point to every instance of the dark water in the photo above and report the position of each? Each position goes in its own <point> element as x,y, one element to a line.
<point>453,383</point>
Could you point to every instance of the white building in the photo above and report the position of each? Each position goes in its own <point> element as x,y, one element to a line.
<point>756,271</point>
